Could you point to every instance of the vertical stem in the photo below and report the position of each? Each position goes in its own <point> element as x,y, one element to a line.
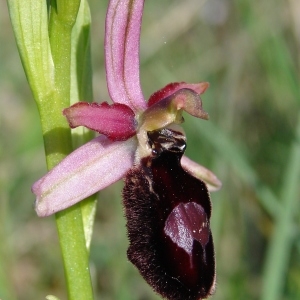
<point>279,250</point>
<point>44,44</point>
<point>58,143</point>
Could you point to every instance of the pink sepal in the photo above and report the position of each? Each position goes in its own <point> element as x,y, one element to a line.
<point>172,88</point>
<point>116,121</point>
<point>122,38</point>
<point>84,172</point>
<point>200,172</point>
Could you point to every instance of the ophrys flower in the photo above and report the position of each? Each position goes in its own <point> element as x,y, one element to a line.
<point>166,201</point>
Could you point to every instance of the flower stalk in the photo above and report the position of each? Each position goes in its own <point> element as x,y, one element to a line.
<point>45,51</point>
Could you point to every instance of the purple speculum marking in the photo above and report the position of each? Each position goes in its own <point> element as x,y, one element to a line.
<point>187,222</point>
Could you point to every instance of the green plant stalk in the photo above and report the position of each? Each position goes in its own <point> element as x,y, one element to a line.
<point>69,222</point>
<point>278,253</point>
<point>47,62</point>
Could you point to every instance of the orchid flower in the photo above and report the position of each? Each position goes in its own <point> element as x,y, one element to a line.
<point>123,125</point>
<point>133,133</point>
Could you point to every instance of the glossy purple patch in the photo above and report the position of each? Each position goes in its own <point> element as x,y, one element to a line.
<point>168,212</point>
<point>187,222</point>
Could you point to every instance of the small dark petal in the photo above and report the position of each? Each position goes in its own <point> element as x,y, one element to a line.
<point>164,92</point>
<point>172,88</point>
<point>168,213</point>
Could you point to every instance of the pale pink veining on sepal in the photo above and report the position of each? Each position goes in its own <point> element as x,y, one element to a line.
<point>122,42</point>
<point>88,169</point>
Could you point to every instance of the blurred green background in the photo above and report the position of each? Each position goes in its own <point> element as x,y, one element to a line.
<point>249,52</point>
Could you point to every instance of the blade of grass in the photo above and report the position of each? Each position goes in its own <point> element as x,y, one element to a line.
<point>279,250</point>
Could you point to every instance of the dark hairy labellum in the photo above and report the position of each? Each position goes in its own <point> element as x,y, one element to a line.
<point>168,212</point>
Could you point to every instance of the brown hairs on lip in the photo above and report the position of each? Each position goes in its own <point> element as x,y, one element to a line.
<point>168,212</point>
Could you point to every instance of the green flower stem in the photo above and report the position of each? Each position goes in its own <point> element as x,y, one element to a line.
<point>45,52</point>
<point>69,222</point>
